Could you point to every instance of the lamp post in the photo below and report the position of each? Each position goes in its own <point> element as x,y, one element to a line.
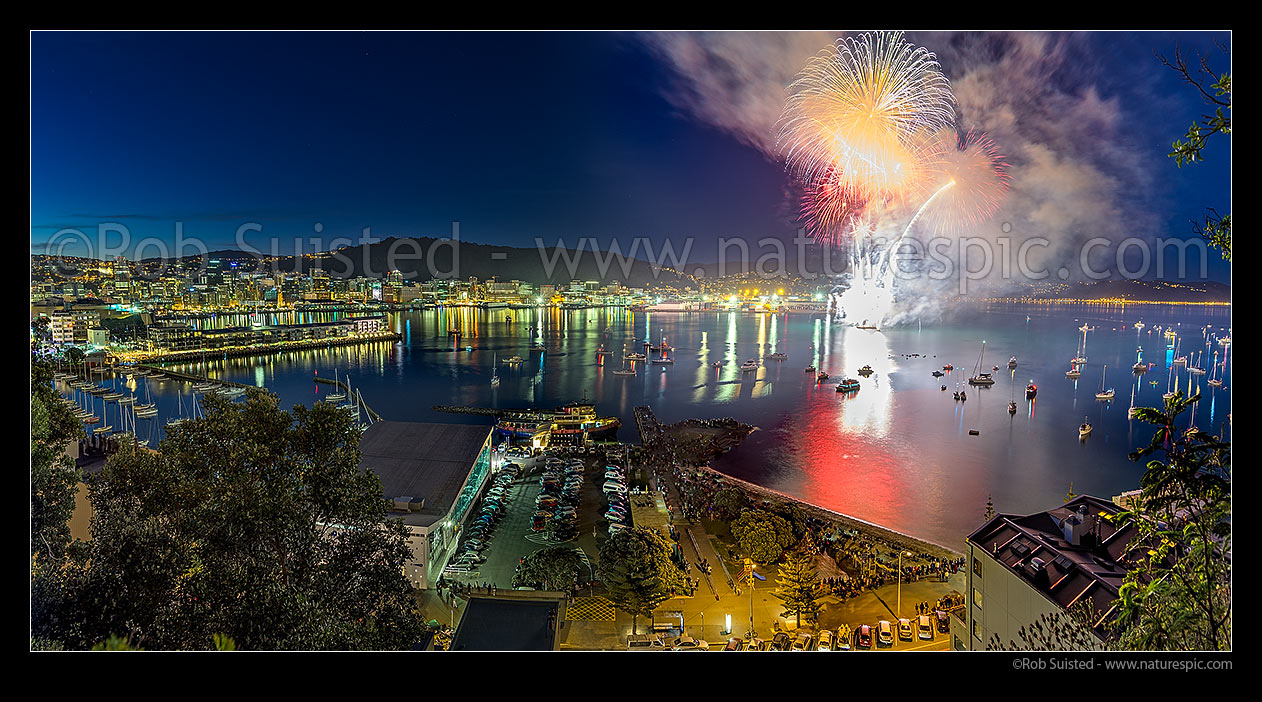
<point>899,608</point>
<point>752,632</point>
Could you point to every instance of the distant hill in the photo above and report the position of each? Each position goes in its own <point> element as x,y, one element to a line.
<point>425,258</point>
<point>1137,290</point>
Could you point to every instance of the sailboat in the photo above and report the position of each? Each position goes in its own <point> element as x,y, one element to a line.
<point>1081,358</point>
<point>337,396</point>
<point>1214,381</point>
<point>1195,368</point>
<point>980,378</point>
<point>1130,413</point>
<point>624,370</point>
<point>1178,360</point>
<point>1170,392</point>
<point>1012,396</point>
<point>1140,366</point>
<point>665,360</point>
<point>1104,394</point>
<point>1084,429</point>
<point>495,374</point>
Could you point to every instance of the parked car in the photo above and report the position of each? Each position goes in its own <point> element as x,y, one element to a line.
<point>904,629</point>
<point>687,643</point>
<point>646,641</point>
<point>864,637</point>
<point>944,622</point>
<point>825,642</point>
<point>781,641</point>
<point>885,633</point>
<point>924,627</point>
<point>802,642</point>
<point>844,637</point>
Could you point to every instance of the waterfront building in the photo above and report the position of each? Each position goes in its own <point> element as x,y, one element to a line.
<point>431,475</point>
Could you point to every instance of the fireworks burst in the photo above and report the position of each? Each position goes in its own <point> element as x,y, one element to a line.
<point>828,208</point>
<point>854,112</point>
<point>980,175</point>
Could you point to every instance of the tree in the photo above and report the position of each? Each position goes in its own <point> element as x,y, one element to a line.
<point>252,523</point>
<point>1215,91</point>
<point>554,566</point>
<point>797,586</point>
<point>764,536</point>
<point>1178,595</point>
<point>729,502</point>
<point>636,568</point>
<point>54,478</point>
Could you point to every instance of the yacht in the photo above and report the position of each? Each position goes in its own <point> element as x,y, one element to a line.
<point>1031,390</point>
<point>979,378</point>
<point>513,360</point>
<point>1012,362</point>
<point>866,370</point>
<point>1104,394</point>
<point>848,385</point>
<point>1073,372</point>
<point>821,376</point>
<point>1084,428</point>
<point>495,375</point>
<point>635,357</point>
<point>748,366</point>
<point>624,370</point>
<point>1012,407</point>
<point>810,369</point>
<point>779,356</point>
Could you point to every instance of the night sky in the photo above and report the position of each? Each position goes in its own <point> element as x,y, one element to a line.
<point>514,135</point>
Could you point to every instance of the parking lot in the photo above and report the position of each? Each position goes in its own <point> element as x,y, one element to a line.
<point>512,537</point>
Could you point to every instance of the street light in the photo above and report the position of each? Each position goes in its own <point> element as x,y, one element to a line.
<point>899,608</point>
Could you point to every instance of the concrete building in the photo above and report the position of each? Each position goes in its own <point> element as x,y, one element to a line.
<point>1023,568</point>
<point>431,475</point>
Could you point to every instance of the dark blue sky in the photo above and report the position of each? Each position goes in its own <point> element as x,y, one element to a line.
<point>513,135</point>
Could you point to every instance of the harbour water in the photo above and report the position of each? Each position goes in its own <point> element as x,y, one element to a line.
<point>897,452</point>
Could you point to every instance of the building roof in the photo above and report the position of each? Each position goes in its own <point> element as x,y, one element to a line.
<point>501,624</point>
<point>423,461</point>
<point>1039,548</point>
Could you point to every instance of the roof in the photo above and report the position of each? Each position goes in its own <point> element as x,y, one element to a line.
<point>1035,549</point>
<point>423,461</point>
<point>498,624</point>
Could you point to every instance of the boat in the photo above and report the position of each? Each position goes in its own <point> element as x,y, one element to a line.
<point>1085,428</point>
<point>495,376</point>
<point>779,356</point>
<point>1224,341</point>
<point>944,388</point>
<point>635,357</point>
<point>983,379</point>
<point>1073,371</point>
<point>938,374</point>
<point>1130,413</point>
<point>665,360</point>
<point>565,425</point>
<point>865,325</point>
<point>748,366</point>
<point>821,377</point>
<point>948,367</point>
<point>1214,381</point>
<point>1012,407</point>
<point>1031,390</point>
<point>331,397</point>
<point>1139,325</point>
<point>1195,368</point>
<point>1104,394</point>
<point>810,369</point>
<point>625,370</point>
<point>513,360</point>
<point>717,364</point>
<point>866,370</point>
<point>963,396</point>
<point>848,385</point>
<point>1012,362</point>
